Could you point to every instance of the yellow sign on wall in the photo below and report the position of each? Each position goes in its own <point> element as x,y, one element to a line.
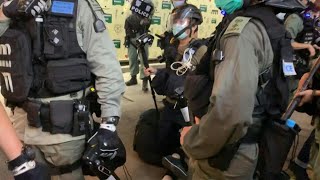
<point>116,11</point>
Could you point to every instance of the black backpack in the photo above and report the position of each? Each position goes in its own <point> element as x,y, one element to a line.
<point>16,65</point>
<point>146,138</point>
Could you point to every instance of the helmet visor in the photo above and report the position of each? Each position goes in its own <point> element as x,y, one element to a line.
<point>181,17</point>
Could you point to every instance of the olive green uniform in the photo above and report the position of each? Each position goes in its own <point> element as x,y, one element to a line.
<point>294,25</point>
<point>63,149</point>
<point>135,58</point>
<point>247,52</point>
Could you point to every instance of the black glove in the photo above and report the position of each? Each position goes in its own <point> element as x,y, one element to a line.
<point>40,172</point>
<point>18,8</point>
<point>105,151</point>
<point>25,168</point>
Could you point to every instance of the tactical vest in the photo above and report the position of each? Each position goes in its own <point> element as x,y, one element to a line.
<point>43,59</point>
<point>274,95</point>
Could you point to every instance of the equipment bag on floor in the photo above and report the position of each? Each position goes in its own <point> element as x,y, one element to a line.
<point>276,141</point>
<point>146,138</point>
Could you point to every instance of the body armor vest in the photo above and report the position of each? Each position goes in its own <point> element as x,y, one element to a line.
<point>274,96</point>
<point>45,59</point>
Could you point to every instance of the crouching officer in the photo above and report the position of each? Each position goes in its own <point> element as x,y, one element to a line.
<point>222,144</point>
<point>50,52</point>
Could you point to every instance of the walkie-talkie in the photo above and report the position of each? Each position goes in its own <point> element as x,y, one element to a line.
<point>98,24</point>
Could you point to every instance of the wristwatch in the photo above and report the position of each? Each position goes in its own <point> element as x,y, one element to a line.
<point>110,120</point>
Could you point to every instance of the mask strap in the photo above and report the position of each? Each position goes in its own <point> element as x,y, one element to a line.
<point>183,30</point>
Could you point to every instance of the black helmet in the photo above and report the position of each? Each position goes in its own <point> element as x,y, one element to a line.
<point>188,11</point>
<point>286,4</point>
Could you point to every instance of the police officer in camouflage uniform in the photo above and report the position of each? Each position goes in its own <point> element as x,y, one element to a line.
<point>222,144</point>
<point>54,114</point>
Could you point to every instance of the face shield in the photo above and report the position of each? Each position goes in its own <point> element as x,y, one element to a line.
<point>178,3</point>
<point>181,22</point>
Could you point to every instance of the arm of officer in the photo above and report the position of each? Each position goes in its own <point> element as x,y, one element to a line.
<point>233,95</point>
<point>294,25</point>
<point>128,26</point>
<point>101,55</point>
<point>9,142</point>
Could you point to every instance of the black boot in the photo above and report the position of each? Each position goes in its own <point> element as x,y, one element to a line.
<point>176,165</point>
<point>132,81</point>
<point>145,84</point>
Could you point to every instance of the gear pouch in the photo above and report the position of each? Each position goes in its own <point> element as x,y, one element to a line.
<point>68,75</point>
<point>33,113</point>
<point>198,91</point>
<point>61,116</point>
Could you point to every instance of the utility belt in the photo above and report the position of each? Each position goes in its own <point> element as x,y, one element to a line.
<point>223,159</point>
<point>59,117</point>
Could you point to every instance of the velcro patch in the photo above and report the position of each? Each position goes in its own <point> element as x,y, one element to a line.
<point>237,25</point>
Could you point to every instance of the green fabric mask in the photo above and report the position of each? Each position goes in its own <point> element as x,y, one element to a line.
<point>229,5</point>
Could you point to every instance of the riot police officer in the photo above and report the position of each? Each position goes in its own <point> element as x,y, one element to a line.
<point>185,22</point>
<point>136,25</point>
<point>222,144</point>
<point>50,50</point>
<point>303,27</point>
<point>309,104</point>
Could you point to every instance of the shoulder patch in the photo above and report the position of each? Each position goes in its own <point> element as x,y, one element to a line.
<point>236,26</point>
